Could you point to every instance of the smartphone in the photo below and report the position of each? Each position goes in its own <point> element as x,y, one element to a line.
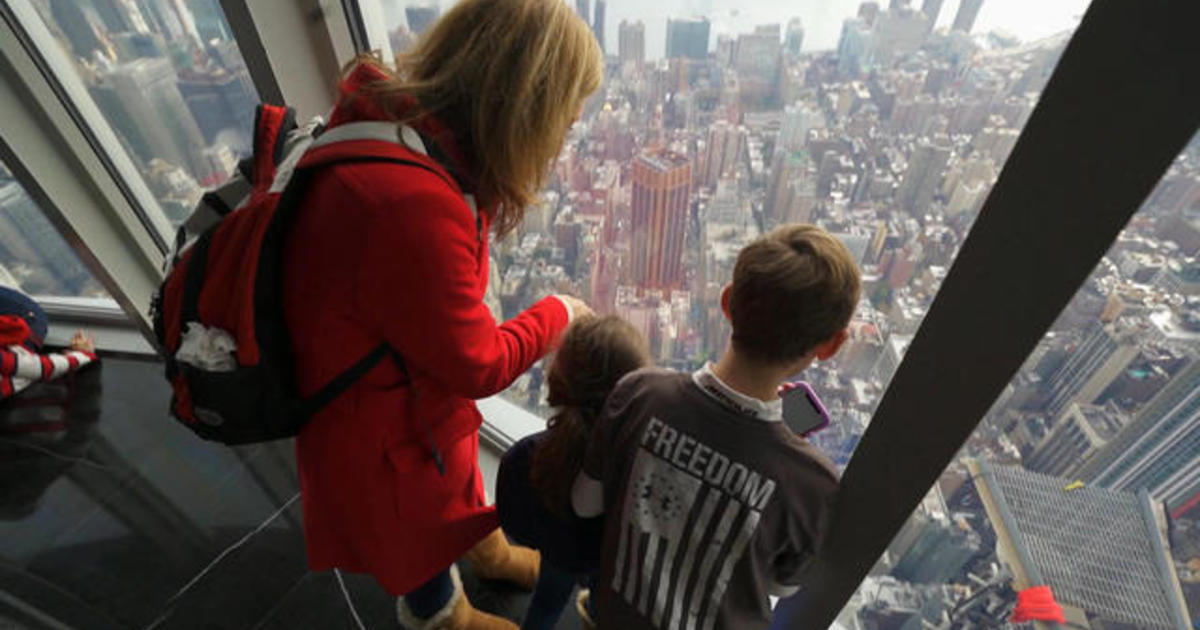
<point>803,411</point>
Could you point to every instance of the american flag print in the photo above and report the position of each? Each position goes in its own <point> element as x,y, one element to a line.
<point>688,514</point>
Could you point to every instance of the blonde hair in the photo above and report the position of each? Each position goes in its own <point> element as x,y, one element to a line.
<point>507,76</point>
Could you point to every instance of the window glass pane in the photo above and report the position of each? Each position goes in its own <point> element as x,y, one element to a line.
<point>885,123</point>
<point>1106,408</point>
<point>888,123</point>
<point>168,77</point>
<point>34,257</point>
<point>406,20</point>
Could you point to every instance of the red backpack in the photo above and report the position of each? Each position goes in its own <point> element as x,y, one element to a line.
<point>218,315</point>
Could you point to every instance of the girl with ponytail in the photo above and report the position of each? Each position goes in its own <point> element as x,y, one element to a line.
<point>533,488</point>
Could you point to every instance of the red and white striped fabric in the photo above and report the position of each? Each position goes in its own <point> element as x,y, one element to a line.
<point>20,367</point>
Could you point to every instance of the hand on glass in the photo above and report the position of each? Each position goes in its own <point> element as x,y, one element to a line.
<point>578,307</point>
<point>83,342</point>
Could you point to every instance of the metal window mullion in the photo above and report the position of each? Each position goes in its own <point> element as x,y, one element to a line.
<point>253,51</point>
<point>374,26</point>
<point>1121,105</point>
<point>294,49</point>
<point>48,62</point>
<point>356,26</point>
<point>71,164</point>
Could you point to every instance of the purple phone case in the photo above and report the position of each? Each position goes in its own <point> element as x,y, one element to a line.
<point>813,400</point>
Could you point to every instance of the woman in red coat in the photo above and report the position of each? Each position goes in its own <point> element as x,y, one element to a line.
<point>395,253</point>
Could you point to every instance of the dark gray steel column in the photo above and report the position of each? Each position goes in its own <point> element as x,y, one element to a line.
<point>1123,102</point>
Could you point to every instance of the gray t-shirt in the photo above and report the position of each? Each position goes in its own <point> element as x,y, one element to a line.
<point>711,504</point>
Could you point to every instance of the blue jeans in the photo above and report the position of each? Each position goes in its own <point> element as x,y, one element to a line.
<point>550,596</point>
<point>431,597</point>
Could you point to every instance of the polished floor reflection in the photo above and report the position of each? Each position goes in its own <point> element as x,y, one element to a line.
<point>111,516</point>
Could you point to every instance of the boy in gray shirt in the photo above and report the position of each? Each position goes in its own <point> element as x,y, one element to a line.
<point>711,503</point>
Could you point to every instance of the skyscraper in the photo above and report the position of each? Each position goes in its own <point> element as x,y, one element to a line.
<point>75,25</point>
<point>121,16</point>
<point>130,45</point>
<point>757,60</point>
<point>187,20</point>
<point>1104,352</point>
<point>210,19</point>
<point>598,23</point>
<point>165,21</point>
<point>687,38</point>
<point>756,54</point>
<point>725,142</point>
<point>421,16</point>
<point>1157,451</point>
<point>793,38</point>
<point>787,167</point>
<point>220,101</point>
<point>867,12</point>
<point>661,183</point>
<point>142,100</point>
<point>29,241</point>
<point>931,8</point>
<point>924,173</point>
<point>1100,551</point>
<point>964,20</point>
<point>631,42</point>
<point>798,119</point>
<point>939,552</point>
<point>1078,433</point>
<point>898,32</point>
<point>854,47</point>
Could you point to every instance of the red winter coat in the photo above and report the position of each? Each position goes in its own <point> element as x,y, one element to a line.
<point>383,252</point>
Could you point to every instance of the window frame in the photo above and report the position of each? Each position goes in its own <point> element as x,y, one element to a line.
<point>294,49</point>
<point>371,33</point>
<point>69,162</point>
<point>101,319</point>
<point>54,68</point>
<point>67,157</point>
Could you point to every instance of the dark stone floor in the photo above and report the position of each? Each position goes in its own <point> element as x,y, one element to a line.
<point>119,518</point>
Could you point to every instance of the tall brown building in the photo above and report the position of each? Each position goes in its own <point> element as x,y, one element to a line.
<point>661,182</point>
<point>631,43</point>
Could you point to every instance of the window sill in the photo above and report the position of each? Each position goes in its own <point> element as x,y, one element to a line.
<point>505,423</point>
<point>101,318</point>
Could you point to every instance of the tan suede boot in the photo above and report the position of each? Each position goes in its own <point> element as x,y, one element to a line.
<point>495,559</point>
<point>457,614</point>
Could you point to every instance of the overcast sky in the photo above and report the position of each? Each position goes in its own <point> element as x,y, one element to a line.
<point>1027,19</point>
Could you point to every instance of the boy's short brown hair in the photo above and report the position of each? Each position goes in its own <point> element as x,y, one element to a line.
<point>792,289</point>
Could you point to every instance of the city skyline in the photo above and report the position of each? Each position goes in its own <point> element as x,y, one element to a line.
<point>890,139</point>
<point>822,19</point>
<point>892,144</point>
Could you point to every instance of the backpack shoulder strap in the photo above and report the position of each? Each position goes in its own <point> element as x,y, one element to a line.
<point>416,151</point>
<point>319,151</point>
<point>381,130</point>
<point>390,132</point>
